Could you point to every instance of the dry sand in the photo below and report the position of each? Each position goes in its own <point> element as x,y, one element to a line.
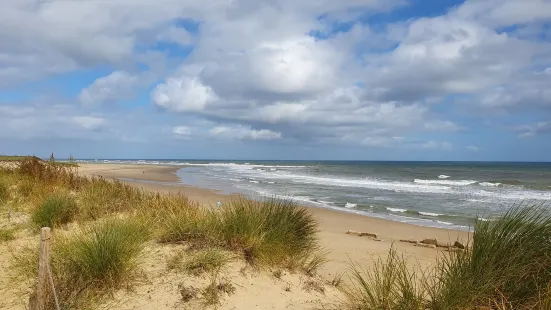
<point>342,248</point>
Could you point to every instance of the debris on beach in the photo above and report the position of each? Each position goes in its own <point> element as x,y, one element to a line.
<point>409,241</point>
<point>425,245</point>
<point>361,234</point>
<point>430,241</point>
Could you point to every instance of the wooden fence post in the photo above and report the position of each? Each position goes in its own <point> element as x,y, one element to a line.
<point>39,297</point>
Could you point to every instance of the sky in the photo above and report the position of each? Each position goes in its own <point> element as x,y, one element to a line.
<point>277,79</point>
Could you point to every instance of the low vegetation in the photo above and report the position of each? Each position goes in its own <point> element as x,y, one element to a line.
<point>111,223</point>
<point>58,209</point>
<point>90,263</point>
<point>272,232</point>
<point>506,266</point>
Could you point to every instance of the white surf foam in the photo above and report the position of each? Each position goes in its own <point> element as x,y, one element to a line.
<point>396,210</point>
<point>359,183</point>
<point>443,176</point>
<point>430,214</point>
<point>349,205</point>
<point>445,182</point>
<point>326,202</point>
<point>489,184</point>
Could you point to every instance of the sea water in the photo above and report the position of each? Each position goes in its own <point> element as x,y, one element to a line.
<point>437,194</point>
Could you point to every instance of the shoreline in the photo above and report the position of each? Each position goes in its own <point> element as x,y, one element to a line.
<point>333,224</point>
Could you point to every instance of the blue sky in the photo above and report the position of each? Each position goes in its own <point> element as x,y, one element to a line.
<point>250,79</point>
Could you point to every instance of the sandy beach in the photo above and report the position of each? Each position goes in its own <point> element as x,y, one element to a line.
<point>342,248</point>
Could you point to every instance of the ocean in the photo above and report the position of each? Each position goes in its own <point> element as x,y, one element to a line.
<point>437,194</point>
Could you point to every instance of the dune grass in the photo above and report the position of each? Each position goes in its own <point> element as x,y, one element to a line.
<point>89,264</point>
<point>100,198</point>
<point>104,253</point>
<point>270,232</point>
<point>507,265</point>
<point>58,209</point>
<point>388,284</point>
<point>113,220</point>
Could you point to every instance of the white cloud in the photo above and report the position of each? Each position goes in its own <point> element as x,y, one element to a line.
<point>181,130</point>
<point>472,148</point>
<point>254,65</point>
<point>111,88</point>
<point>505,12</point>
<point>243,133</point>
<point>184,94</point>
<point>57,40</point>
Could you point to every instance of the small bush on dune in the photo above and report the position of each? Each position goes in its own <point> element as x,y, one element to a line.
<point>271,232</point>
<point>56,210</point>
<point>105,253</point>
<point>89,264</point>
<point>194,225</point>
<point>274,231</point>
<point>506,266</point>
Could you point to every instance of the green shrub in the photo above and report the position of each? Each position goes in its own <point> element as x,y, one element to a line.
<point>56,210</point>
